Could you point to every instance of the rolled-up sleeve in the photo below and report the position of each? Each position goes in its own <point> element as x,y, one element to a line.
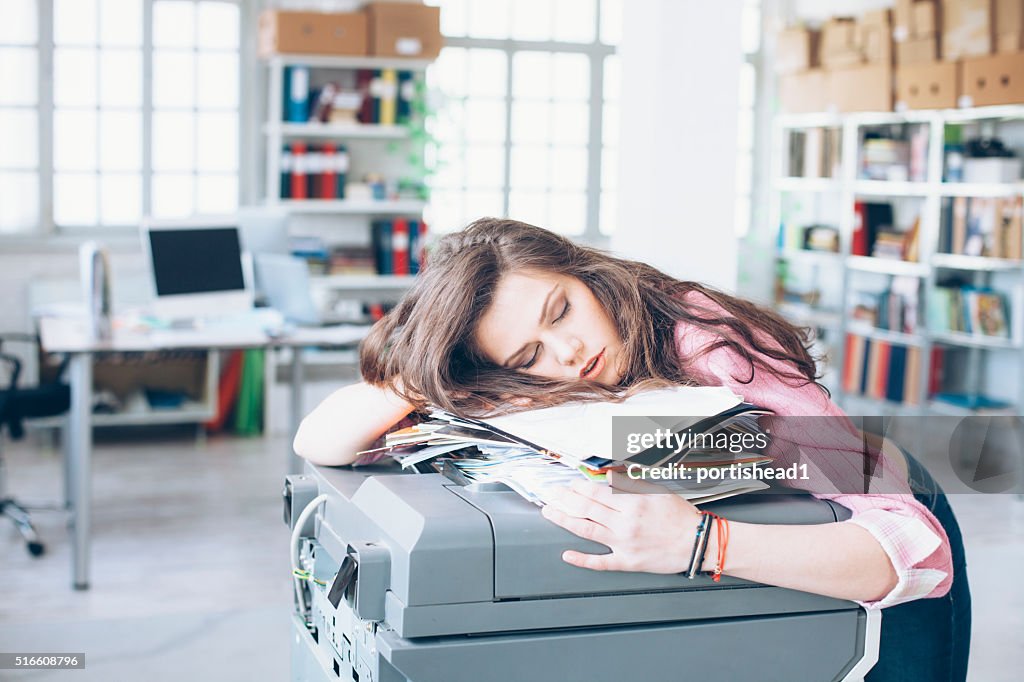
<point>911,537</point>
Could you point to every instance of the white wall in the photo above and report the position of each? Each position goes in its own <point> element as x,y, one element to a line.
<point>680,71</point>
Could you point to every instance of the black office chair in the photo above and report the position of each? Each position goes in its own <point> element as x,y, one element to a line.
<point>18,403</point>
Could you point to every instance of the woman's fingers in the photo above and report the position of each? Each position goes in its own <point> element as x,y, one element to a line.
<point>595,562</point>
<point>583,527</point>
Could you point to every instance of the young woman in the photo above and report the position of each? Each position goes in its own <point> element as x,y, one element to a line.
<point>508,314</point>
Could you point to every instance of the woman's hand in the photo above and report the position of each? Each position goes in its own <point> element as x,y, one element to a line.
<point>651,532</point>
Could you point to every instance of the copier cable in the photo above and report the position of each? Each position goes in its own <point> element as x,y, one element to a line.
<point>296,534</point>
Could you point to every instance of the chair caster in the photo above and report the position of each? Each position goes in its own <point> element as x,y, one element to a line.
<point>36,549</point>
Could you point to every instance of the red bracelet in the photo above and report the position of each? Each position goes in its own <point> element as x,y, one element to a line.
<point>723,543</point>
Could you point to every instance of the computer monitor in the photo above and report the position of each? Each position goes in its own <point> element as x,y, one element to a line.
<point>197,268</point>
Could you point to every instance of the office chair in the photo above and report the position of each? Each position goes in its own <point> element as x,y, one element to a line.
<point>18,403</point>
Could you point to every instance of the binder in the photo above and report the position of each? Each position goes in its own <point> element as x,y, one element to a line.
<point>341,162</point>
<point>299,171</point>
<point>328,183</point>
<point>381,235</point>
<point>388,97</point>
<point>414,246</point>
<point>400,246</point>
<point>406,95</point>
<point>286,172</point>
<point>364,83</point>
<point>296,94</point>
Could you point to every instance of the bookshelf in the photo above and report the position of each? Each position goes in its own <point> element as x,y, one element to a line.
<point>340,217</point>
<point>824,289</point>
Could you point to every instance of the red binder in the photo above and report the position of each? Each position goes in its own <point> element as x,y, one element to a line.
<point>328,184</point>
<point>299,171</point>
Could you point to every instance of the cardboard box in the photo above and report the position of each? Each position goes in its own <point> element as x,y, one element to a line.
<point>861,88</point>
<point>927,86</point>
<point>839,43</point>
<point>1009,23</point>
<point>966,28</point>
<point>997,79</point>
<point>917,51</point>
<point>287,32</point>
<point>903,20</point>
<point>803,93</point>
<point>925,18</point>
<point>399,29</point>
<point>796,49</point>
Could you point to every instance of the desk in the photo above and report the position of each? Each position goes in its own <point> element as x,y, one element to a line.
<point>71,336</point>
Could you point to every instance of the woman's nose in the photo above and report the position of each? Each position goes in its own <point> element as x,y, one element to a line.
<point>567,349</point>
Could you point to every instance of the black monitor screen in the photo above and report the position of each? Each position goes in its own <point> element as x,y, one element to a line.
<point>196,261</point>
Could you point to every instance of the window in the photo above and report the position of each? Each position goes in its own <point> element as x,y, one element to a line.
<point>117,109</point>
<point>521,133</point>
<point>19,115</point>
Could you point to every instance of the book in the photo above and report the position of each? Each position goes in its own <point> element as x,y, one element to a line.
<point>536,451</point>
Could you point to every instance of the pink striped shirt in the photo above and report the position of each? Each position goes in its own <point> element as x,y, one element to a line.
<point>908,532</point>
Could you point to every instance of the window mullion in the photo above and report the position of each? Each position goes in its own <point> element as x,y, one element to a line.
<point>147,107</point>
<point>506,187</point>
<point>595,142</point>
<point>45,112</point>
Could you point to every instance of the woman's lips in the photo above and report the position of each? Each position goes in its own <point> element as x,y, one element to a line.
<point>596,364</point>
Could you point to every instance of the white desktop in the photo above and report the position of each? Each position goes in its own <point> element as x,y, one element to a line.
<point>197,268</point>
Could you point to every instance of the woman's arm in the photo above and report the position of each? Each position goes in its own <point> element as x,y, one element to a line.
<point>655,533</point>
<point>347,421</point>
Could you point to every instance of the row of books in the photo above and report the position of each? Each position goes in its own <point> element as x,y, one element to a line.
<point>398,245</point>
<point>314,171</point>
<point>896,160</point>
<point>537,452</point>
<point>969,310</point>
<point>377,96</point>
<point>983,226</point>
<point>396,249</point>
<point>885,371</point>
<point>895,309</point>
<point>815,152</point>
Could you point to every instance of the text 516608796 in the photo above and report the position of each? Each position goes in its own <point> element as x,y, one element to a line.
<point>36,661</point>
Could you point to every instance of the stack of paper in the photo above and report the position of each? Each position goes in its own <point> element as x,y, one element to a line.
<point>538,451</point>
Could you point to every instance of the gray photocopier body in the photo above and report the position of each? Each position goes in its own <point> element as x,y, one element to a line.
<point>445,583</point>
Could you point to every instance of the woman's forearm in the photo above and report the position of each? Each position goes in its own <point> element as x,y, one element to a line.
<point>841,560</point>
<point>348,421</point>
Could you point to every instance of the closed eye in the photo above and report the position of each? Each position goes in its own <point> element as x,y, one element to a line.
<point>565,311</point>
<point>530,363</point>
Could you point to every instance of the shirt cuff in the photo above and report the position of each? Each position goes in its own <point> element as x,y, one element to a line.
<point>907,541</point>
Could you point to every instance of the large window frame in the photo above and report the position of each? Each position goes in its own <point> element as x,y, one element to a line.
<point>596,53</point>
<point>46,226</point>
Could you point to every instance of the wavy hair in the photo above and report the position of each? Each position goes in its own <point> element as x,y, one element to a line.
<point>425,348</point>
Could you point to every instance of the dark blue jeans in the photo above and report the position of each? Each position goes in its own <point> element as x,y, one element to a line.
<point>929,640</point>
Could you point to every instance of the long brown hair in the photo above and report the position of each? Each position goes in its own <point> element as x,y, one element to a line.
<point>425,348</point>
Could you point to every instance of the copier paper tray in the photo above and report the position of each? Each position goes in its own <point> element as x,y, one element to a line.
<point>418,578</point>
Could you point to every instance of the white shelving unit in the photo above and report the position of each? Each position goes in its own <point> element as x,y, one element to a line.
<point>842,192</point>
<point>373,153</point>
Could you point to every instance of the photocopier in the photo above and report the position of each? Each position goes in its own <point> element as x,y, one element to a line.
<point>416,577</point>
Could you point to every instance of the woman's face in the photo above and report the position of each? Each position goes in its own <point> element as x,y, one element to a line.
<point>551,326</point>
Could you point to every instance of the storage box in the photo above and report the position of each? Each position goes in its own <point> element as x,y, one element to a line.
<point>927,86</point>
<point>917,51</point>
<point>286,32</point>
<point>796,49</point>
<point>839,43</point>
<point>398,29</point>
<point>992,170</point>
<point>925,18</point>
<point>803,93</point>
<point>966,28</point>
<point>861,88</point>
<point>997,79</point>
<point>1009,23</point>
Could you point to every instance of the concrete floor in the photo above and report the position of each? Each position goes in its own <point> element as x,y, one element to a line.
<point>190,576</point>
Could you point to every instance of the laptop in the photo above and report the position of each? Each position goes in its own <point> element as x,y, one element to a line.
<point>284,281</point>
